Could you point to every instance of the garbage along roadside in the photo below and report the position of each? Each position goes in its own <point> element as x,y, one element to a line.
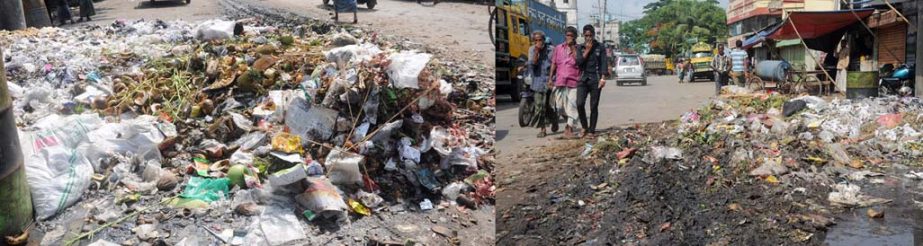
<point>783,166</point>
<point>203,132</point>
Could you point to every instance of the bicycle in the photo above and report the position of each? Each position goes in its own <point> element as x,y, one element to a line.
<point>789,83</point>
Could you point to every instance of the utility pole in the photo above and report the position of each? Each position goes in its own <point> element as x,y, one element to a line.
<point>16,201</point>
<point>918,83</point>
<point>11,15</point>
<point>605,19</point>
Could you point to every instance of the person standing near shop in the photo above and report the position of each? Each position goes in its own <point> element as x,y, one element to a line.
<point>591,58</point>
<point>565,73</point>
<point>719,63</point>
<point>537,67</point>
<point>842,63</point>
<point>739,64</point>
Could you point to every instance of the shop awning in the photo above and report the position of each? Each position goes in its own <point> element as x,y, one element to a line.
<point>821,30</point>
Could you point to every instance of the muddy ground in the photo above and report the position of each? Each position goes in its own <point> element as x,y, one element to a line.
<point>555,196</point>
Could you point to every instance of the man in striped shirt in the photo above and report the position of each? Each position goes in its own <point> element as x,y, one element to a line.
<point>739,66</point>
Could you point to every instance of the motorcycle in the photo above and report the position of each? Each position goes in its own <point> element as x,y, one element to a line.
<point>896,81</point>
<point>527,102</point>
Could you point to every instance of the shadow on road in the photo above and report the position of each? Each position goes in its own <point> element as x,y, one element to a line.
<point>506,104</point>
<point>501,134</point>
<point>161,4</point>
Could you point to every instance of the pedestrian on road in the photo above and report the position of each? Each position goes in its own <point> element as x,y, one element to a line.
<point>345,6</point>
<point>537,68</point>
<point>720,64</point>
<point>739,65</point>
<point>64,12</point>
<point>86,9</point>
<point>565,73</point>
<point>842,63</point>
<point>591,58</point>
<point>681,69</point>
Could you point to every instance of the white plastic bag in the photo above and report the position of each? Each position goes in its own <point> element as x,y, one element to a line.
<point>215,30</point>
<point>343,167</point>
<point>281,226</point>
<point>56,169</point>
<point>405,68</point>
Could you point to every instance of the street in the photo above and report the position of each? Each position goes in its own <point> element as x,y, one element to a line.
<point>662,99</point>
<point>457,30</point>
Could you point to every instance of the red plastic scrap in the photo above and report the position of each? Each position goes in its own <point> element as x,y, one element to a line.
<point>890,120</point>
<point>626,153</point>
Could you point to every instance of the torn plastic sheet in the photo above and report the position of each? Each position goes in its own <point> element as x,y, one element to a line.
<point>405,68</point>
<point>346,54</point>
<point>311,123</point>
<point>281,226</point>
<point>323,199</point>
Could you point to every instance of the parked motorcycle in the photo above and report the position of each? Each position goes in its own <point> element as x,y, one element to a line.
<point>896,81</point>
<point>527,102</point>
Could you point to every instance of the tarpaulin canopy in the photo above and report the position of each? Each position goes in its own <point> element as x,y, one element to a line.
<point>821,30</point>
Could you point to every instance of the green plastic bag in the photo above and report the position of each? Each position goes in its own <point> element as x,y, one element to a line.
<point>206,189</point>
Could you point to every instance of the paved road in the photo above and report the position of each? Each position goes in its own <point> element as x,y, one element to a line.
<point>662,99</point>
<point>456,30</point>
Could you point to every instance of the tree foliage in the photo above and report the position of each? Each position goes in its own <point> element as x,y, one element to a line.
<point>673,26</point>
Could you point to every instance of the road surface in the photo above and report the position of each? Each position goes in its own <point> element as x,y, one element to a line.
<point>455,30</point>
<point>662,99</point>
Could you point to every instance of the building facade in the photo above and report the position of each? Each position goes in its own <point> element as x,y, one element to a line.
<point>744,17</point>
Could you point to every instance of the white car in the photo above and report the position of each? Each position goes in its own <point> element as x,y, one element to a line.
<point>629,69</point>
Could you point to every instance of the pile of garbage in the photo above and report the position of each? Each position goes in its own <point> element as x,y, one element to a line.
<point>746,162</point>
<point>278,123</point>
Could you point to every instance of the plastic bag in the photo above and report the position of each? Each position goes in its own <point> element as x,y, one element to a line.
<point>57,170</point>
<point>217,30</point>
<point>314,123</point>
<point>281,226</point>
<point>343,167</point>
<point>206,189</point>
<point>322,198</point>
<point>405,68</point>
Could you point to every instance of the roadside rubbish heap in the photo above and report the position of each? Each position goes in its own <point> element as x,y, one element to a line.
<point>267,122</point>
<point>746,162</point>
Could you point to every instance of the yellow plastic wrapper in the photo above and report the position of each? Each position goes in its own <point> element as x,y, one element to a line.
<point>358,207</point>
<point>288,143</point>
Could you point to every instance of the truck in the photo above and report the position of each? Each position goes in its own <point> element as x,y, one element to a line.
<point>655,64</point>
<point>512,22</point>
<point>702,54</point>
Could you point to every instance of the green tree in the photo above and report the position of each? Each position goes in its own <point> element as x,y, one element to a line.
<point>673,26</point>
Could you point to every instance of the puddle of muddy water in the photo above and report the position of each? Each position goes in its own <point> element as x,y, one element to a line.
<point>902,223</point>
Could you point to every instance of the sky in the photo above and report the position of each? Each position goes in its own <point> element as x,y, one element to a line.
<point>622,9</point>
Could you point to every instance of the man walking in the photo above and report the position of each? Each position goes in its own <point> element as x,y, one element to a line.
<point>565,73</point>
<point>739,65</point>
<point>719,63</point>
<point>591,58</point>
<point>537,68</point>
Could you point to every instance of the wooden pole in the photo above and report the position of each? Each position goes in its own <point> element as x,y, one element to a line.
<point>806,49</point>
